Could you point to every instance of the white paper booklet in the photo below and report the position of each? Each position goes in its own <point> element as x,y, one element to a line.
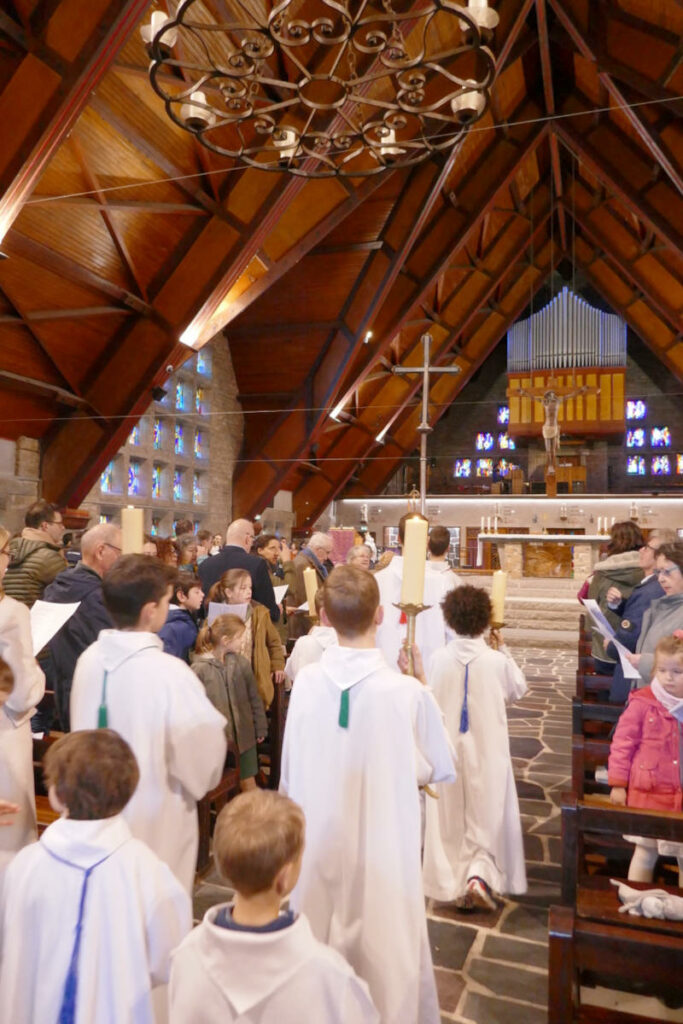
<point>280,592</point>
<point>47,618</point>
<point>217,608</point>
<point>603,627</point>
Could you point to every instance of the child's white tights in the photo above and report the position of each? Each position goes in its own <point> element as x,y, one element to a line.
<point>642,866</point>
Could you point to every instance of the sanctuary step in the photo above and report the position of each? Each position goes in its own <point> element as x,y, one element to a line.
<point>539,612</point>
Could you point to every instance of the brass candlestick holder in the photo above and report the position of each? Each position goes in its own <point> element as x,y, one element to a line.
<point>411,612</point>
<point>495,639</point>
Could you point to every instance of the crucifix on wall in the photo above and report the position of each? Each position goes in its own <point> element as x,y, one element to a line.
<point>551,397</point>
<point>424,428</point>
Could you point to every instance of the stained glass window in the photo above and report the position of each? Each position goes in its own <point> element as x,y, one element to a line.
<point>504,468</point>
<point>506,442</point>
<point>636,410</point>
<point>679,463</point>
<point>484,442</point>
<point>503,414</point>
<point>635,465</point>
<point>660,437</point>
<point>154,529</point>
<point>178,485</point>
<point>661,465</point>
<point>199,400</point>
<point>134,436</point>
<point>179,440</point>
<point>484,467</point>
<point>104,520</point>
<point>179,395</point>
<point>196,489</point>
<point>198,449</point>
<point>463,467</point>
<point>204,362</point>
<point>635,438</point>
<point>107,479</point>
<point>156,481</point>
<point>134,477</point>
<point>156,433</point>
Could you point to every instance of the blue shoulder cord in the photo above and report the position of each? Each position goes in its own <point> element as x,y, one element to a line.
<point>67,1011</point>
<point>464,714</point>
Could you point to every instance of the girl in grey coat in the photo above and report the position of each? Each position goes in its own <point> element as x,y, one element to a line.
<point>231,687</point>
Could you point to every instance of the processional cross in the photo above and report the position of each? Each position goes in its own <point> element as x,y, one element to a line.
<point>424,428</point>
<point>551,397</point>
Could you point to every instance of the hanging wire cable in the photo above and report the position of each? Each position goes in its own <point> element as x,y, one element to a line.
<point>41,200</point>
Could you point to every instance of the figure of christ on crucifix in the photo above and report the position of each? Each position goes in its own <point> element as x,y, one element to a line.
<point>551,398</point>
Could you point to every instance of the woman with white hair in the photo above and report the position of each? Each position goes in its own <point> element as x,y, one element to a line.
<point>359,555</point>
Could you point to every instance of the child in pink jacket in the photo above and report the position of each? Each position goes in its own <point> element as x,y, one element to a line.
<point>645,756</point>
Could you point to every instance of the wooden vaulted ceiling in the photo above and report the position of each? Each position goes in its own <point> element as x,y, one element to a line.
<point>121,232</point>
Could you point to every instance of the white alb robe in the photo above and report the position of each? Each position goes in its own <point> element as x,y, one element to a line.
<point>431,631</point>
<point>360,883</point>
<point>135,914</point>
<point>474,827</point>
<point>220,976</point>
<point>16,743</point>
<point>158,705</point>
<point>308,650</point>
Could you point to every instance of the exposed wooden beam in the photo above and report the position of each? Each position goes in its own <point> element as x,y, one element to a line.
<point>36,315</point>
<point>43,138</point>
<point>616,182</point>
<point>592,50</point>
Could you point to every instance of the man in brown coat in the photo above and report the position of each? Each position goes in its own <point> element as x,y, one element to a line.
<point>37,556</point>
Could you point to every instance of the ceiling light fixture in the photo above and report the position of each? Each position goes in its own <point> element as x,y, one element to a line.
<point>321,88</point>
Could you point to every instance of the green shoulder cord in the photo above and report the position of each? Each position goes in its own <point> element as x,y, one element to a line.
<point>344,710</point>
<point>102,716</point>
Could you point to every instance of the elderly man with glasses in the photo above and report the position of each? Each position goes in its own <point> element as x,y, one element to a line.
<point>313,555</point>
<point>100,548</point>
<point>37,556</point>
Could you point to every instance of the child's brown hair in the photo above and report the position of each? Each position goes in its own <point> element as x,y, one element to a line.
<point>223,627</point>
<point>185,582</point>
<point>671,646</point>
<point>256,835</point>
<point>6,678</point>
<point>350,600</point>
<point>467,610</point>
<point>94,773</point>
<point>228,581</point>
<point>131,583</point>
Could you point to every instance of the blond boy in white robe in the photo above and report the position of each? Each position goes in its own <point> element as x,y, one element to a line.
<point>90,915</point>
<point>155,701</point>
<point>360,738</point>
<point>249,961</point>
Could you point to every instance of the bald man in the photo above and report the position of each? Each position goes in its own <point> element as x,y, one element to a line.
<point>236,555</point>
<point>100,547</point>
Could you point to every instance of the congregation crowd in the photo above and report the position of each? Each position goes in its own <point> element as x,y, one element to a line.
<point>395,779</point>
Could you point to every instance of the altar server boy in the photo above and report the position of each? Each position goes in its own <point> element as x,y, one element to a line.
<point>155,701</point>
<point>360,738</point>
<point>90,915</point>
<point>309,648</point>
<point>249,961</point>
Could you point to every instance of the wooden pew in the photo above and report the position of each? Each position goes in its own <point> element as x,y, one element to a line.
<point>210,806</point>
<point>589,935</point>
<point>594,719</point>
<point>587,755</point>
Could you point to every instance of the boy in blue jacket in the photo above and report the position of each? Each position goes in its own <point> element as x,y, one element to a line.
<point>179,632</point>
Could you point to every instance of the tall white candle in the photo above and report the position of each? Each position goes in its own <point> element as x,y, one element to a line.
<point>481,528</point>
<point>414,561</point>
<point>599,524</point>
<point>311,586</point>
<point>498,588</point>
<point>132,530</point>
<point>488,524</point>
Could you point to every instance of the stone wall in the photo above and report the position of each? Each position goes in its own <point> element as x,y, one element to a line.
<point>19,480</point>
<point>180,479</point>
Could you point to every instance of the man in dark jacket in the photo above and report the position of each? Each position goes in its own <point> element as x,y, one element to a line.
<point>235,555</point>
<point>100,547</point>
<point>36,557</point>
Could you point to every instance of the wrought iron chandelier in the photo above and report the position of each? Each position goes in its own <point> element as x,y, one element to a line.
<point>324,88</point>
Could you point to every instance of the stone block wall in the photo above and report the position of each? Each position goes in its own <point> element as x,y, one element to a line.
<point>19,480</point>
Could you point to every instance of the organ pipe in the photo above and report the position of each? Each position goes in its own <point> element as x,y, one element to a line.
<point>566,334</point>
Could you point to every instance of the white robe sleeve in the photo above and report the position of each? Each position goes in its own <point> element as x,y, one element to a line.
<point>356,1005</point>
<point>169,921</point>
<point>196,737</point>
<point>435,756</point>
<point>514,683</point>
<point>16,647</point>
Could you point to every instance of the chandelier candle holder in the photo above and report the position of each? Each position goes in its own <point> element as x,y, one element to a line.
<point>324,88</point>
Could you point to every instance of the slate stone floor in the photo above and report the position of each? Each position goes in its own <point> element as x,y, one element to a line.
<point>492,968</point>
